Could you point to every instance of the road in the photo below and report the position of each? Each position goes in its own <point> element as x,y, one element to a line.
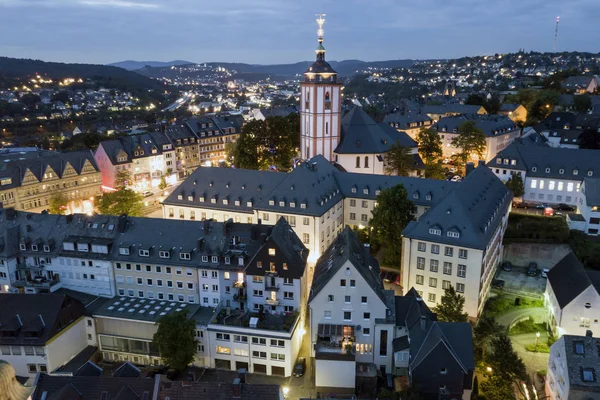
<point>179,102</point>
<point>509,317</point>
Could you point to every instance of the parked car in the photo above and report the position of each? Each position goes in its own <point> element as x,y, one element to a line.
<point>147,193</point>
<point>522,204</point>
<point>543,206</point>
<point>300,367</point>
<point>564,207</point>
<point>506,266</point>
<point>498,284</point>
<point>397,282</point>
<point>532,270</point>
<point>545,272</point>
<point>456,178</point>
<point>453,170</point>
<point>446,161</point>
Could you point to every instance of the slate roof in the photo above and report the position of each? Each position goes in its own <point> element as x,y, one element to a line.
<point>472,212</point>
<point>278,111</point>
<point>78,361</point>
<point>453,108</point>
<point>362,135</point>
<point>575,163</point>
<point>35,319</point>
<point>91,388</point>
<point>14,163</point>
<point>557,120</point>
<point>405,120</point>
<point>568,279</point>
<point>217,391</point>
<point>151,144</point>
<point>491,125</point>
<point>347,247</point>
<point>88,369</point>
<point>127,370</point>
<point>575,82</point>
<point>576,363</point>
<point>507,107</point>
<point>591,188</point>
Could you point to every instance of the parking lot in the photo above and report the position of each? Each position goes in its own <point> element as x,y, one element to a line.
<point>518,282</point>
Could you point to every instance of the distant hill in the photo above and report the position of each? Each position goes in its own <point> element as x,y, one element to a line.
<point>343,68</point>
<point>134,65</point>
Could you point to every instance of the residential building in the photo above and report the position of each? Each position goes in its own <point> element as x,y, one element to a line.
<point>458,242</point>
<point>315,198</point>
<point>581,84</point>
<point>550,175</point>
<point>573,368</point>
<point>320,106</point>
<point>29,177</point>
<point>238,389</point>
<point>437,357</point>
<point>410,122</point>
<point>185,142</point>
<point>516,112</point>
<point>500,131</point>
<point>213,135</point>
<point>351,315</point>
<point>264,113</point>
<point>147,157</point>
<point>40,333</point>
<point>436,112</point>
<point>364,144</point>
<point>589,208</point>
<point>572,297</point>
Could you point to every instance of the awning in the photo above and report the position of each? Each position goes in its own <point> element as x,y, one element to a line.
<point>328,330</point>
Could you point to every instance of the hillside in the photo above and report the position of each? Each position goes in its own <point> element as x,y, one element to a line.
<point>135,65</point>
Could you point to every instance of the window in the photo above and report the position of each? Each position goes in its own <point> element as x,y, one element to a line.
<point>363,299</point>
<point>462,253</point>
<point>240,338</point>
<point>259,341</point>
<point>223,336</point>
<point>277,343</point>
<point>184,256</point>
<point>366,315</point>
<point>534,183</point>
<point>551,185</point>
<point>259,354</point>
<point>343,282</point>
<point>164,254</point>
<point>460,287</point>
<point>347,299</point>
<point>288,295</point>
<point>462,271</point>
<point>352,283</point>
<point>330,298</point>
<point>434,231</point>
<point>420,262</point>
<point>422,246</point>
<point>446,285</point>
<point>578,347</point>
<point>223,350</point>
<point>431,297</point>
<point>433,282</point>
<point>347,315</point>
<point>366,331</point>
<point>327,314</point>
<point>447,268</point>
<point>448,251</point>
<point>435,249</point>
<point>433,265</point>
<point>32,368</point>
<point>588,374</point>
<point>271,251</point>
<point>419,279</point>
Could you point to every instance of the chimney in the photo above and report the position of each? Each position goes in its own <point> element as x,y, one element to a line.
<point>469,168</point>
<point>480,163</point>
<point>237,388</point>
<point>242,375</point>
<point>423,323</point>
<point>589,333</point>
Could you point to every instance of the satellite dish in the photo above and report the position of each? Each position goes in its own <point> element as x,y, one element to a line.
<point>358,328</point>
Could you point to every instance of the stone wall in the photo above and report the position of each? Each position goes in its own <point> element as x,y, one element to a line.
<point>545,255</point>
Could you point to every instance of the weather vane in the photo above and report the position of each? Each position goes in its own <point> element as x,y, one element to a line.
<point>320,22</point>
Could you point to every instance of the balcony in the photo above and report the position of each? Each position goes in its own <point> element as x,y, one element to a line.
<point>272,302</point>
<point>342,351</point>
<point>271,287</point>
<point>39,282</point>
<point>239,284</point>
<point>240,296</point>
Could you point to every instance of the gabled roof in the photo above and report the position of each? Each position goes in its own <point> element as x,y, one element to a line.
<point>217,391</point>
<point>568,279</point>
<point>88,369</point>
<point>468,215</point>
<point>452,108</point>
<point>127,370</point>
<point>490,124</point>
<point>91,388</point>
<point>362,135</point>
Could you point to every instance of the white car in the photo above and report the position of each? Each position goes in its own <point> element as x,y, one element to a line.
<point>147,193</point>
<point>453,170</point>
<point>445,161</point>
<point>545,272</point>
<point>456,178</point>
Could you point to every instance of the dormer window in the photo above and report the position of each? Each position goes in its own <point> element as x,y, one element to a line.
<point>164,254</point>
<point>67,246</point>
<point>190,198</point>
<point>533,169</point>
<point>185,256</point>
<point>365,191</point>
<point>215,259</point>
<point>271,202</point>
<point>435,231</point>
<point>513,162</point>
<point>23,246</point>
<point>415,195</point>
<point>377,192</point>
<point>179,197</point>
<point>237,203</point>
<point>34,247</point>
<point>303,205</point>
<point>547,170</point>
<point>201,199</point>
<point>205,259</point>
<point>506,161</point>
<point>213,200</point>
<point>452,234</point>
<point>561,171</point>
<point>354,190</point>
<point>227,260</point>
<point>575,172</point>
<point>293,205</point>
<point>124,251</point>
<point>590,172</point>
<point>282,204</point>
<point>240,261</point>
<point>144,253</point>
<point>47,248</point>
<point>82,247</point>
<point>225,201</point>
<point>428,197</point>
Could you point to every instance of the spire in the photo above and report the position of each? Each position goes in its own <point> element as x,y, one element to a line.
<point>320,49</point>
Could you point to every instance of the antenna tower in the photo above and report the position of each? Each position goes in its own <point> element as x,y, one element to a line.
<point>556,34</point>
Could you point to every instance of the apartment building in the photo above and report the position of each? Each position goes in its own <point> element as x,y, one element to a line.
<point>500,131</point>
<point>40,333</point>
<point>588,219</point>
<point>458,242</point>
<point>213,134</point>
<point>573,368</point>
<point>351,315</point>
<point>516,112</point>
<point>315,198</point>
<point>437,112</point>
<point>29,177</point>
<point>572,297</point>
<point>410,122</point>
<point>147,157</point>
<point>550,175</point>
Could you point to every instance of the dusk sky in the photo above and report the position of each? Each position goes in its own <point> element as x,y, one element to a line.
<point>284,31</point>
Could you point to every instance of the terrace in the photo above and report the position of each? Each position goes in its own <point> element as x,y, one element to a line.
<point>244,319</point>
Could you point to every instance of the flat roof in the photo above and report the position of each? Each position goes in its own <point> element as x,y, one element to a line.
<point>137,309</point>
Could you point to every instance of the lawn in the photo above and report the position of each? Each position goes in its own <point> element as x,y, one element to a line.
<point>540,348</point>
<point>525,228</point>
<point>502,304</point>
<point>526,326</point>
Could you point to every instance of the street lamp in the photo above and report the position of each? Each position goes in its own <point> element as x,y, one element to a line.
<point>537,336</point>
<point>286,391</point>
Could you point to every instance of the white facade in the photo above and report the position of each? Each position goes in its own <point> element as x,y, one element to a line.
<point>367,163</point>
<point>91,276</point>
<point>320,119</point>
<point>557,375</point>
<point>493,144</point>
<point>578,316</point>
<point>589,212</point>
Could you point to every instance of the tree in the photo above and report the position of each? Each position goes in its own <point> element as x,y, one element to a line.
<point>470,140</point>
<point>487,328</point>
<point>62,96</point>
<point>496,389</point>
<point>430,145</point>
<point>435,171</point>
<point>389,218</point>
<point>175,339</point>
<point>504,361</point>
<point>582,103</point>
<point>30,100</point>
<point>163,183</point>
<point>515,185</point>
<point>58,203</point>
<point>450,308</point>
<point>589,139</point>
<point>121,201</point>
<point>475,99</point>
<point>399,160</point>
<point>122,178</point>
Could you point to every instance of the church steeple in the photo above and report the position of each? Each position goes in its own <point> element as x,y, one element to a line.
<point>320,49</point>
<point>320,70</point>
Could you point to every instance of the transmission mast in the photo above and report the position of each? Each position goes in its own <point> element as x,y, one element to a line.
<point>556,33</point>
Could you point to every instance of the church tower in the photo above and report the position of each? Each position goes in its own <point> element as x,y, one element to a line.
<point>320,105</point>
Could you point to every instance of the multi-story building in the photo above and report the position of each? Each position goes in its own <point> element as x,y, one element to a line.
<point>147,157</point>
<point>550,175</point>
<point>588,219</point>
<point>410,122</point>
<point>572,297</point>
<point>212,136</point>
<point>500,131</point>
<point>29,177</point>
<point>573,368</point>
<point>516,112</point>
<point>315,198</point>
<point>351,315</point>
<point>364,144</point>
<point>458,242</point>
<point>437,112</point>
<point>40,333</point>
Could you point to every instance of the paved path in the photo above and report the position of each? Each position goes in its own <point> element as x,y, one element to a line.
<point>509,317</point>
<point>533,361</point>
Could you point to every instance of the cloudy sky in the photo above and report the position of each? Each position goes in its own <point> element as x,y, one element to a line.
<point>282,31</point>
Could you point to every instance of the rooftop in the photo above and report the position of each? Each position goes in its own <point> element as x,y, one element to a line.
<point>147,310</point>
<point>583,363</point>
<point>284,322</point>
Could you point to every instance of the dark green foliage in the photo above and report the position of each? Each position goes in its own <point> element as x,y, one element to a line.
<point>122,201</point>
<point>582,103</point>
<point>504,361</point>
<point>30,100</point>
<point>515,185</point>
<point>536,229</point>
<point>391,215</point>
<point>58,203</point>
<point>83,141</point>
<point>526,326</point>
<point>399,161</point>
<point>450,308</point>
<point>430,145</point>
<point>586,248</point>
<point>435,170</point>
<point>471,141</point>
<point>175,340</point>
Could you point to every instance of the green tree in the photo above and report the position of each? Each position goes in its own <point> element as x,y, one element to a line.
<point>121,201</point>
<point>389,218</point>
<point>175,340</point>
<point>430,145</point>
<point>62,96</point>
<point>122,179</point>
<point>505,362</point>
<point>486,329</point>
<point>30,100</point>
<point>399,160</point>
<point>247,152</point>
<point>58,203</point>
<point>435,171</point>
<point>163,183</point>
<point>495,388</point>
<point>470,140</point>
<point>589,139</point>
<point>582,103</point>
<point>450,308</point>
<point>515,185</point>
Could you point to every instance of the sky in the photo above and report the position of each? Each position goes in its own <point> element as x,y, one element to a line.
<point>284,31</point>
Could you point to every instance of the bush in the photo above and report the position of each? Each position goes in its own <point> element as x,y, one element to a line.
<point>540,348</point>
<point>526,326</point>
<point>586,249</point>
<point>502,304</point>
<point>536,229</point>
